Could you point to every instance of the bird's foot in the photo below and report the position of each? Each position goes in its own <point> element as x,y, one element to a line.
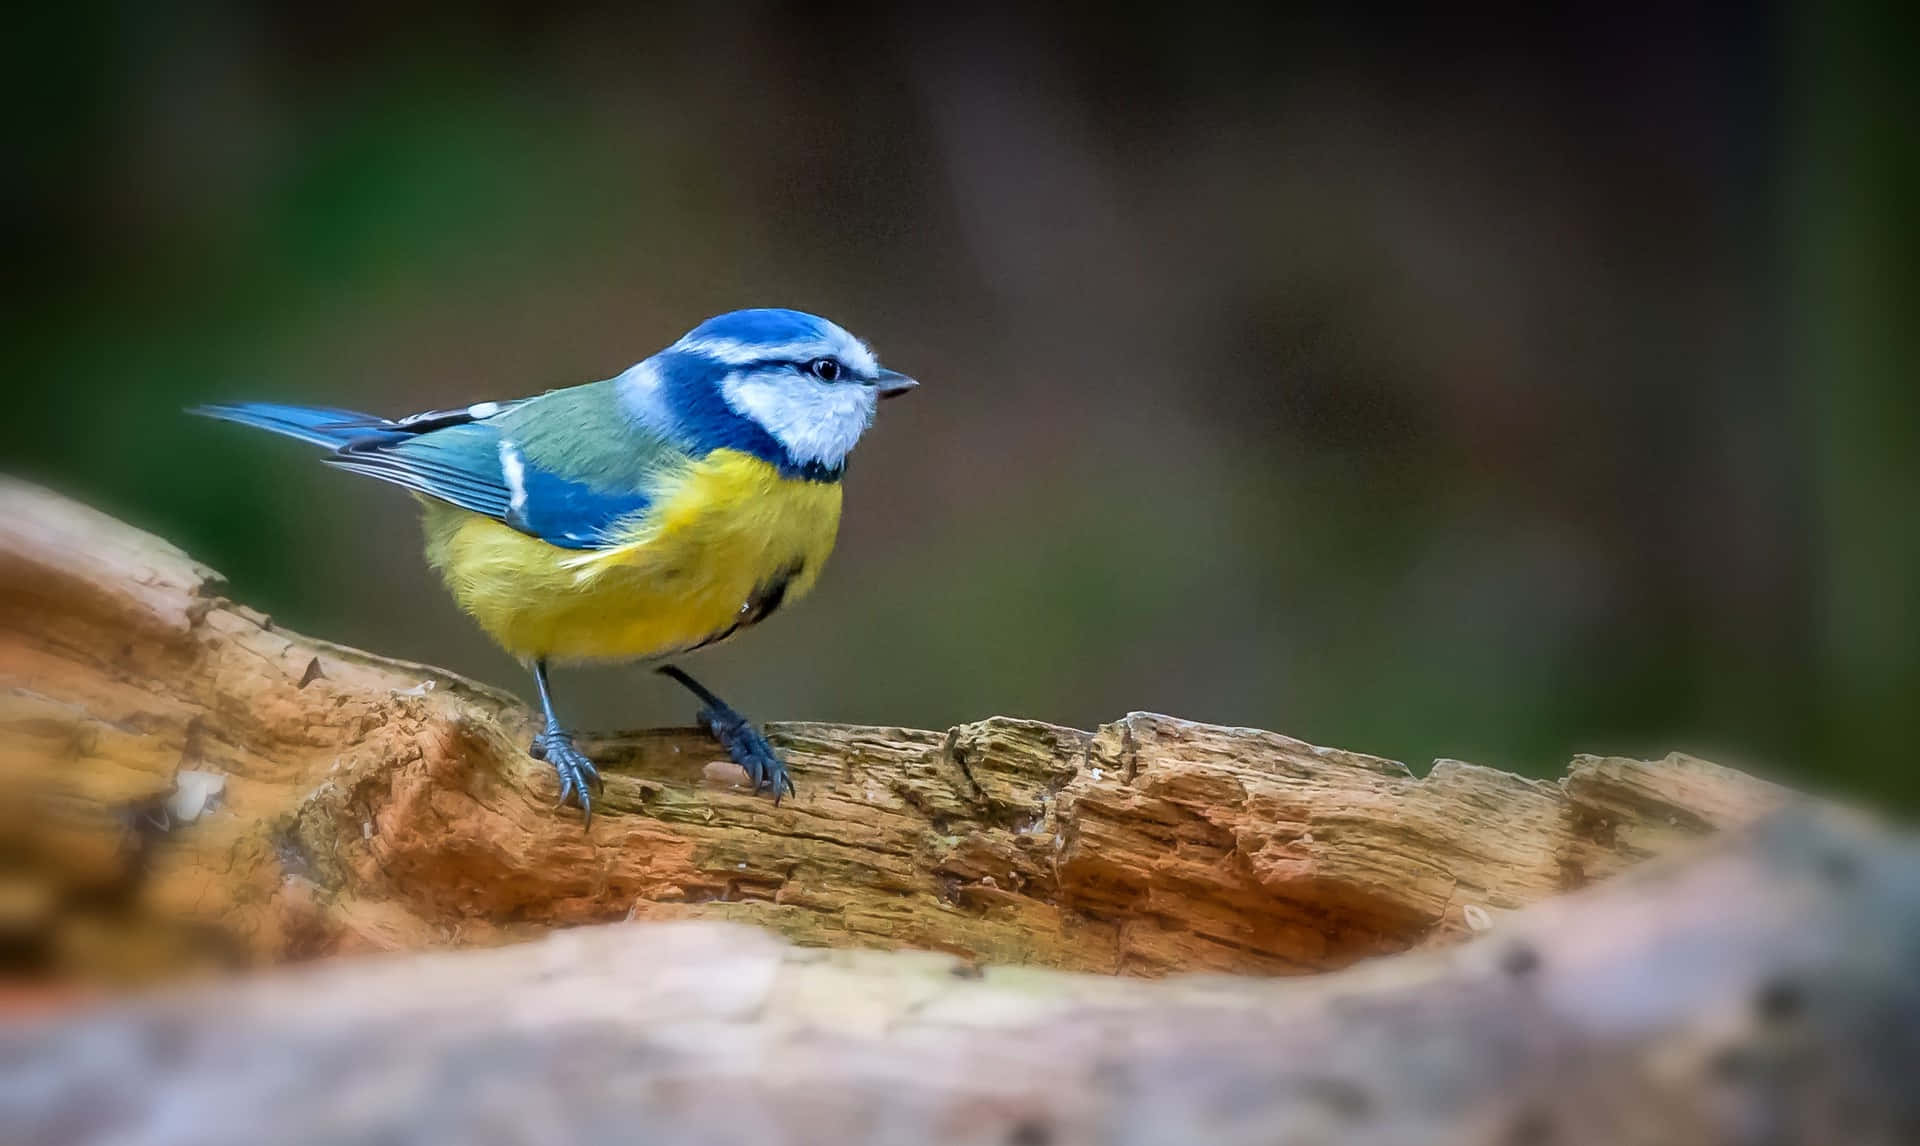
<point>745,744</point>
<point>577,773</point>
<point>748,747</point>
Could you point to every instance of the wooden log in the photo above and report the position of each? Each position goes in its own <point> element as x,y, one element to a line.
<point>185,785</point>
<point>1765,992</point>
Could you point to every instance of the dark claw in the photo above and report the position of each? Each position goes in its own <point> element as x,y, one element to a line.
<point>575,771</point>
<point>749,748</point>
<point>743,742</point>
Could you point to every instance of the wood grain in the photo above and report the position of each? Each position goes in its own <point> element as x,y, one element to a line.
<point>1767,991</point>
<point>370,804</point>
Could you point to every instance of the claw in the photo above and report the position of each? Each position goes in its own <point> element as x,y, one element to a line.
<point>572,768</point>
<point>749,748</point>
<point>745,744</point>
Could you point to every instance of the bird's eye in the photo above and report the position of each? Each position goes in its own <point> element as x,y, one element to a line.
<point>825,369</point>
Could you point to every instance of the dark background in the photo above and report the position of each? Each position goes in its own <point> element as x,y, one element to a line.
<point>1429,384</point>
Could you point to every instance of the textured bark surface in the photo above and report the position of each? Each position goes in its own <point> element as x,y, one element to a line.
<point>368,804</point>
<point>1765,992</point>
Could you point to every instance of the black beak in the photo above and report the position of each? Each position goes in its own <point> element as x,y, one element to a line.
<point>892,385</point>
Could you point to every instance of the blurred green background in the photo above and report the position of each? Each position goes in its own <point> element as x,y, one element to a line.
<point>1427,385</point>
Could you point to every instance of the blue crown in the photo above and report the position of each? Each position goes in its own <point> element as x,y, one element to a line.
<point>766,326</point>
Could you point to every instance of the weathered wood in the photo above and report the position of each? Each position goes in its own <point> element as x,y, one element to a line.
<point>1766,992</point>
<point>370,804</point>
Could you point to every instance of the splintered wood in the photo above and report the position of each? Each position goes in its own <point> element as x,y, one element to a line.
<point>1762,992</point>
<point>185,786</point>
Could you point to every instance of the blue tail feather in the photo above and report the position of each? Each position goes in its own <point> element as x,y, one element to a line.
<point>456,456</point>
<point>319,425</point>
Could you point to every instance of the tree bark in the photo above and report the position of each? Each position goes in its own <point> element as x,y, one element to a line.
<point>1765,992</point>
<point>184,785</point>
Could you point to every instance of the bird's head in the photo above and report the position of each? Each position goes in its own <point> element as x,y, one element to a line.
<point>790,387</point>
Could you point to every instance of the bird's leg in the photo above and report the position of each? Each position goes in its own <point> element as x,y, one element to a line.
<point>746,744</point>
<point>554,744</point>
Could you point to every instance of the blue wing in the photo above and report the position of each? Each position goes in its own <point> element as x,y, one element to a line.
<point>463,457</point>
<point>458,464</point>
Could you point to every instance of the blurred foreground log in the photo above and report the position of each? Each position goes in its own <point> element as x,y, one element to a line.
<point>1765,992</point>
<point>182,785</point>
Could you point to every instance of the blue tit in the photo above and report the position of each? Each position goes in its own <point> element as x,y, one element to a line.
<point>634,519</point>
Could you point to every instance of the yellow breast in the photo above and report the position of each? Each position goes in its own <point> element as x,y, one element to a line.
<point>723,540</point>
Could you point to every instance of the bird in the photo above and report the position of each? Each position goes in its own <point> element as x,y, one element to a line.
<point>634,519</point>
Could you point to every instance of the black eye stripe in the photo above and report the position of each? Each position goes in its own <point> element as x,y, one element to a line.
<point>764,365</point>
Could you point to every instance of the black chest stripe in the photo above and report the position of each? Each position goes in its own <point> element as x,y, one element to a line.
<point>763,602</point>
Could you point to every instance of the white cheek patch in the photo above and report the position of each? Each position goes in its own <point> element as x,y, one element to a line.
<point>816,421</point>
